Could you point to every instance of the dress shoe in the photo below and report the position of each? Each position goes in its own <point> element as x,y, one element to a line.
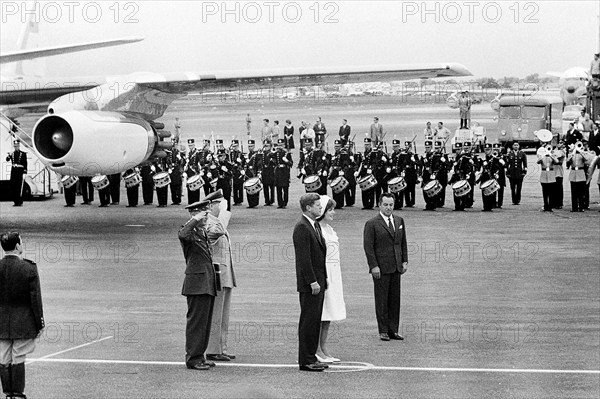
<point>396,336</point>
<point>384,337</point>
<point>210,364</point>
<point>324,365</point>
<point>311,367</point>
<point>334,359</point>
<point>229,355</point>
<point>321,359</point>
<point>218,357</point>
<point>198,366</point>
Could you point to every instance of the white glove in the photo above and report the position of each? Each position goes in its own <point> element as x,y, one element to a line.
<point>502,162</point>
<point>152,168</point>
<point>485,163</point>
<point>351,158</point>
<point>369,171</point>
<point>443,159</point>
<point>324,173</point>
<point>239,160</point>
<point>355,174</point>
<point>201,173</point>
<point>384,159</point>
<point>412,158</point>
<point>471,162</point>
<point>388,170</point>
<point>223,168</point>
<point>209,175</point>
<point>243,173</point>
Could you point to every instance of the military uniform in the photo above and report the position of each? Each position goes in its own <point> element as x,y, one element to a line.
<point>442,174</point>
<point>70,194</point>
<point>305,161</point>
<point>430,165</point>
<point>339,164</point>
<point>396,170</point>
<point>224,176</point>
<point>463,169</point>
<point>199,287</point>
<point>368,163</point>
<point>268,174</point>
<point>349,174</point>
<point>501,163</point>
<point>489,171</point>
<point>254,166</point>
<point>133,192</point>
<point>516,170</point>
<point>577,177</point>
<point>283,164</point>
<point>87,189</point>
<point>191,169</point>
<point>147,170</point>
<point>175,171</point>
<point>18,160</point>
<point>381,170</point>
<point>162,193</point>
<point>115,188</point>
<point>104,196</point>
<point>547,160</point>
<point>557,201</point>
<point>239,164</point>
<point>207,167</point>
<point>409,164</point>
<point>320,160</point>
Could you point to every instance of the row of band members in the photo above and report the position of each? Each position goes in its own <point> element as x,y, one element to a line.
<point>373,170</point>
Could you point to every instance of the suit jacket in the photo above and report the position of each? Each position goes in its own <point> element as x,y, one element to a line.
<point>310,256</point>
<point>21,313</point>
<point>218,237</point>
<point>385,249</point>
<point>199,272</point>
<point>517,164</point>
<point>376,132</point>
<point>344,131</point>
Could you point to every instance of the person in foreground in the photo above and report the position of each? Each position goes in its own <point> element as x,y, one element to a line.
<point>334,307</point>
<point>310,250</point>
<point>21,314</point>
<point>199,286</point>
<point>386,250</point>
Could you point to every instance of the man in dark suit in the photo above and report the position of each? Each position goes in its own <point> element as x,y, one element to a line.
<point>199,286</point>
<point>386,250</point>
<point>21,314</point>
<point>310,248</point>
<point>344,132</point>
<point>18,160</point>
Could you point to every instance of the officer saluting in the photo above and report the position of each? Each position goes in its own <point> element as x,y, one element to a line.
<point>18,160</point>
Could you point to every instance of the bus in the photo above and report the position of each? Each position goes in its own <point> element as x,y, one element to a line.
<point>519,117</point>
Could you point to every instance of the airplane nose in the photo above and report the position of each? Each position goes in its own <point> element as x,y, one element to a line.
<point>571,89</point>
<point>61,140</point>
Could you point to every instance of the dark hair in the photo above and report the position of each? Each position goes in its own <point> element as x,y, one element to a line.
<point>10,240</point>
<point>330,205</point>
<point>385,195</point>
<point>307,200</point>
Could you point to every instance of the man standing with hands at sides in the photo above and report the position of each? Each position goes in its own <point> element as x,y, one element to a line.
<point>199,286</point>
<point>344,132</point>
<point>21,314</point>
<point>516,170</point>
<point>386,250</point>
<point>376,132</point>
<point>218,237</point>
<point>311,275</point>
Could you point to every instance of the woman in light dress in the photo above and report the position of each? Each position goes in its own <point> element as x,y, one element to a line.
<point>334,308</point>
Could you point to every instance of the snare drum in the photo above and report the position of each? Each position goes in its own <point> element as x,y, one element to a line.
<point>338,184</point>
<point>312,183</point>
<point>253,185</point>
<point>69,181</point>
<point>100,182</point>
<point>489,187</point>
<point>161,179</point>
<point>461,188</point>
<point>397,184</point>
<point>432,188</point>
<point>368,182</point>
<point>194,183</point>
<point>132,180</point>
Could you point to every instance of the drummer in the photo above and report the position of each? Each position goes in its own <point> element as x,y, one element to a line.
<point>162,193</point>
<point>366,168</point>
<point>474,161</point>
<point>283,164</point>
<point>339,162</point>
<point>463,169</point>
<point>254,166</point>
<point>396,170</point>
<point>132,189</point>
<point>71,191</point>
<point>410,169</point>
<point>501,162</point>
<point>489,172</point>
<point>443,167</point>
<point>192,169</point>
<point>430,166</point>
<point>239,162</point>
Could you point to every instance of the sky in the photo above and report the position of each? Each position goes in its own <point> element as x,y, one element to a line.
<point>503,38</point>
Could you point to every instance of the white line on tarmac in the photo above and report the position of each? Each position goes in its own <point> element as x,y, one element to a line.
<point>360,366</point>
<point>45,358</point>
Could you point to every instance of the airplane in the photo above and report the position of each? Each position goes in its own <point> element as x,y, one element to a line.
<point>573,84</point>
<point>107,125</point>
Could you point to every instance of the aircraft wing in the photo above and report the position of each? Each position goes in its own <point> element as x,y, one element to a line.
<point>294,77</point>
<point>29,54</point>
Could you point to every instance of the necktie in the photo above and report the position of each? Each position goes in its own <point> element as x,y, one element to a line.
<point>390,223</point>
<point>319,232</point>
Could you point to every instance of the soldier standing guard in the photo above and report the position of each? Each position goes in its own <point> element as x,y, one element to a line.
<point>517,169</point>
<point>18,160</point>
<point>175,170</point>
<point>238,161</point>
<point>192,169</point>
<point>500,158</point>
<point>283,164</point>
<point>305,160</point>
<point>147,170</point>
<point>224,174</point>
<point>268,173</point>
<point>253,169</point>
<point>350,174</point>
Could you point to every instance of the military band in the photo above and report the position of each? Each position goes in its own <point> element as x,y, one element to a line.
<point>283,164</point>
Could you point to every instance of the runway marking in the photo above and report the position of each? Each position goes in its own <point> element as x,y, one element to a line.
<point>46,358</point>
<point>361,366</point>
<point>135,225</point>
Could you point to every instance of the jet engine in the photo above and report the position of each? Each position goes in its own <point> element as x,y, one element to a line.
<point>88,143</point>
